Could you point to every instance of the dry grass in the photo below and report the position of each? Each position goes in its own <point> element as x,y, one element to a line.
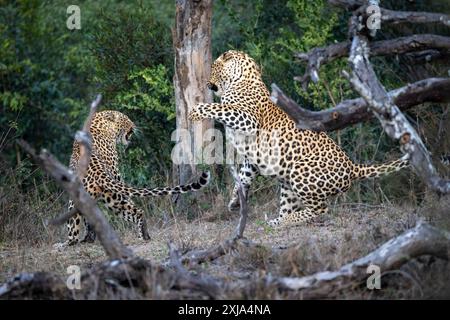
<point>346,233</point>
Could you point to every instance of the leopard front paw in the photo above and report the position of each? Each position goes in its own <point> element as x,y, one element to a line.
<point>273,223</point>
<point>65,244</point>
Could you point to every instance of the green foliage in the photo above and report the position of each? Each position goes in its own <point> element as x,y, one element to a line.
<point>274,31</point>
<point>42,84</point>
<point>127,40</point>
<point>49,74</point>
<point>318,25</point>
<point>133,55</point>
<point>150,90</point>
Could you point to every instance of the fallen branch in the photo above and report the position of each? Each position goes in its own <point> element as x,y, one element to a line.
<point>186,280</point>
<point>134,278</point>
<point>196,257</point>
<point>353,111</point>
<point>421,240</point>
<point>319,56</point>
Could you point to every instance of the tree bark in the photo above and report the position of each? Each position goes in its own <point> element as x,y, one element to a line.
<point>193,58</point>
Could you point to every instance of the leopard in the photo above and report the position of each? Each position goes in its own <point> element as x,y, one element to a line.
<point>309,165</point>
<point>103,180</point>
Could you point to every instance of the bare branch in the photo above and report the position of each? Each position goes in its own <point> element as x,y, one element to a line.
<point>85,140</point>
<point>63,218</point>
<point>427,55</point>
<point>347,4</point>
<point>243,206</point>
<point>353,111</point>
<point>319,56</point>
<point>398,17</point>
<point>394,17</point>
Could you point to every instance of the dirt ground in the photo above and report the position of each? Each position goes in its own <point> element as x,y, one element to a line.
<point>346,233</point>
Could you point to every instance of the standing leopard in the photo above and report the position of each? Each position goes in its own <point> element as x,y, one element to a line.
<point>309,165</point>
<point>102,180</point>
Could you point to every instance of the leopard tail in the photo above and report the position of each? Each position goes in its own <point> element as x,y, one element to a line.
<point>362,171</point>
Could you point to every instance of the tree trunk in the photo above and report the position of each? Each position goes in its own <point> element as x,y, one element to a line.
<point>192,46</point>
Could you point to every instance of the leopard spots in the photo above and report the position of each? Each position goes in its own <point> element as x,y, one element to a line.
<point>311,167</point>
<point>103,181</point>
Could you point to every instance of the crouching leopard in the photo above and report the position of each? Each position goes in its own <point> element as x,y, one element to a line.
<point>309,165</point>
<point>102,180</point>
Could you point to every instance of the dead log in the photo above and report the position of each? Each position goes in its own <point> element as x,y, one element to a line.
<point>71,182</point>
<point>33,286</point>
<point>195,257</point>
<point>421,240</point>
<point>133,278</point>
<point>349,112</point>
<point>394,123</point>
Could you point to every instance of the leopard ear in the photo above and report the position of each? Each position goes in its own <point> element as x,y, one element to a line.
<point>227,56</point>
<point>259,68</point>
<point>110,116</point>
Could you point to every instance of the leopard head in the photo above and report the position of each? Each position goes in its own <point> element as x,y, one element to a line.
<point>115,125</point>
<point>231,68</point>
